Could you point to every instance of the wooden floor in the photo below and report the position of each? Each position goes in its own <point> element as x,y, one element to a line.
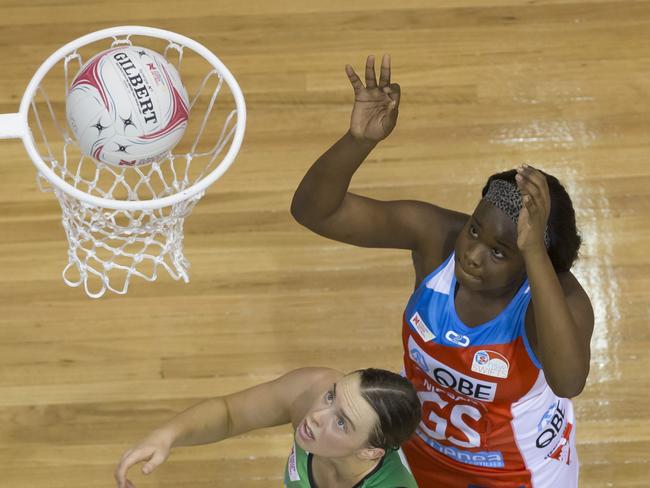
<point>487,84</point>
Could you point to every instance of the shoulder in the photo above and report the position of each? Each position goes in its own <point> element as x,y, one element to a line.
<point>278,401</point>
<point>436,225</point>
<point>579,305</point>
<point>437,239</point>
<point>575,295</point>
<point>393,474</point>
<point>311,375</point>
<point>578,300</point>
<point>303,386</point>
<point>572,287</point>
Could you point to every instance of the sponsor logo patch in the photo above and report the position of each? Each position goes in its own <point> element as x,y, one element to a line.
<point>448,377</point>
<point>487,459</point>
<point>456,338</point>
<point>555,428</point>
<point>292,467</point>
<point>421,328</point>
<point>490,363</point>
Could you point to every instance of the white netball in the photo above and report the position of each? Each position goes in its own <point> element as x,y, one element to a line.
<point>127,106</point>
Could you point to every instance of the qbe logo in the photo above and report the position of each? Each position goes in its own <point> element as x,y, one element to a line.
<point>448,377</point>
<point>554,427</point>
<point>550,425</point>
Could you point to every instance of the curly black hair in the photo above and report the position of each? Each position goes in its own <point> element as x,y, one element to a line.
<point>564,237</point>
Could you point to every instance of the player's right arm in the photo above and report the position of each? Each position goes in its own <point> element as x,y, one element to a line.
<point>323,204</point>
<point>274,403</point>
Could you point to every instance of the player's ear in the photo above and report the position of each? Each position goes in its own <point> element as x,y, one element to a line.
<point>371,453</point>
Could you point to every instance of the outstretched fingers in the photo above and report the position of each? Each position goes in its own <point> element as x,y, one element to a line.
<point>384,72</point>
<point>371,77</point>
<point>354,78</point>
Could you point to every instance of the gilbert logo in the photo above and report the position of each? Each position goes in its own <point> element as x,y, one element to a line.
<point>490,363</point>
<point>421,327</point>
<point>456,338</point>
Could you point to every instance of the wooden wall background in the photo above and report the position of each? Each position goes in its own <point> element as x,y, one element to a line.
<point>487,84</point>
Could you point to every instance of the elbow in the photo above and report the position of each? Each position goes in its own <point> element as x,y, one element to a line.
<point>568,391</point>
<point>229,427</point>
<point>569,386</point>
<point>302,213</point>
<point>297,210</point>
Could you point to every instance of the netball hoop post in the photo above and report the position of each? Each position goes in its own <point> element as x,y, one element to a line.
<point>128,221</point>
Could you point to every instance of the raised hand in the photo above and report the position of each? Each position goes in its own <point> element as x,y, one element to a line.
<point>535,211</point>
<point>153,450</point>
<point>374,114</point>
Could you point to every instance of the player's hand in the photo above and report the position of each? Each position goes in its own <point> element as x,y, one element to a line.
<point>535,211</point>
<point>153,451</point>
<point>374,114</point>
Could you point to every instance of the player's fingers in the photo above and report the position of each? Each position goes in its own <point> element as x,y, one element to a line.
<point>120,471</point>
<point>393,91</point>
<point>536,178</point>
<point>526,185</point>
<point>156,460</point>
<point>529,202</point>
<point>354,78</point>
<point>120,474</point>
<point>384,73</point>
<point>130,458</point>
<point>371,77</point>
<point>539,178</point>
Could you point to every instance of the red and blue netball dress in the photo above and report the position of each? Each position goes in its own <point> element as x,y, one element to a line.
<point>489,419</point>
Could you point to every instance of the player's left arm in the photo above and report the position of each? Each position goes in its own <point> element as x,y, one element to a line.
<point>561,318</point>
<point>561,321</point>
<point>283,400</point>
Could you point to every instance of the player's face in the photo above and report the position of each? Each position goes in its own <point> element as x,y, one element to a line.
<point>340,421</point>
<point>487,256</point>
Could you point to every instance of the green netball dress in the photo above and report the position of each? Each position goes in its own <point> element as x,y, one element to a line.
<point>389,473</point>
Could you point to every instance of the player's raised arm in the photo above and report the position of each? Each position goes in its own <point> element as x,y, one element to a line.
<point>322,202</point>
<point>274,403</point>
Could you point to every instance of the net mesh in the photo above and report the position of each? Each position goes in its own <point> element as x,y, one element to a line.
<point>107,247</point>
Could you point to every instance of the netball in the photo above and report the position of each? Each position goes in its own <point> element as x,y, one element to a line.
<point>127,106</point>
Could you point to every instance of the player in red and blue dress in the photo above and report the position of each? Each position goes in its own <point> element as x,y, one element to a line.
<point>496,334</point>
<point>488,412</point>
